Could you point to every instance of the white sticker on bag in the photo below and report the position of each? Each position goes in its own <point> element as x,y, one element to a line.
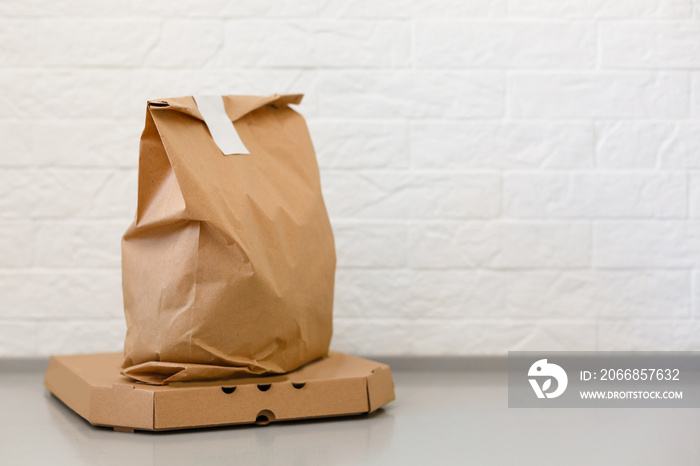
<point>220,126</point>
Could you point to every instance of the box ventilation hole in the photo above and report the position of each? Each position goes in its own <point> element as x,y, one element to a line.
<point>228,390</point>
<point>263,387</point>
<point>298,385</point>
<point>264,417</point>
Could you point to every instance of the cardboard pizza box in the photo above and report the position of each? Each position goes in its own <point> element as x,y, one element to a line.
<point>338,385</point>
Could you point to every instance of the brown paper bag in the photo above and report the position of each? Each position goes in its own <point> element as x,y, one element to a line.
<point>228,268</point>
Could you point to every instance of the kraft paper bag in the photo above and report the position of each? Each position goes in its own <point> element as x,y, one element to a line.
<point>228,268</point>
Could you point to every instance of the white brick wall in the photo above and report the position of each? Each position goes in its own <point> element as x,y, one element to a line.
<point>501,174</point>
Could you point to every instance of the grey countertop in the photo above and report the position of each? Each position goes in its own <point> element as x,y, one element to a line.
<point>457,416</point>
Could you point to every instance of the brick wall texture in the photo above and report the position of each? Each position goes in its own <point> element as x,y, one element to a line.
<point>500,174</point>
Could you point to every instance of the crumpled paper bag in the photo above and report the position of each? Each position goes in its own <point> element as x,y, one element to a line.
<point>228,268</point>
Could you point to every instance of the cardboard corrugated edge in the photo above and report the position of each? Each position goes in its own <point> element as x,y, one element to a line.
<point>380,388</point>
<point>353,389</point>
<point>210,406</point>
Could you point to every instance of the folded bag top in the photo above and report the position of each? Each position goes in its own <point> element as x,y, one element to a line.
<point>228,268</point>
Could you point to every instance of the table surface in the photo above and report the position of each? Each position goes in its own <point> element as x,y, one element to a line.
<point>440,417</point>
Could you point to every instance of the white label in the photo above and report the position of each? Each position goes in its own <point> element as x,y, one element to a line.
<point>220,126</point>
